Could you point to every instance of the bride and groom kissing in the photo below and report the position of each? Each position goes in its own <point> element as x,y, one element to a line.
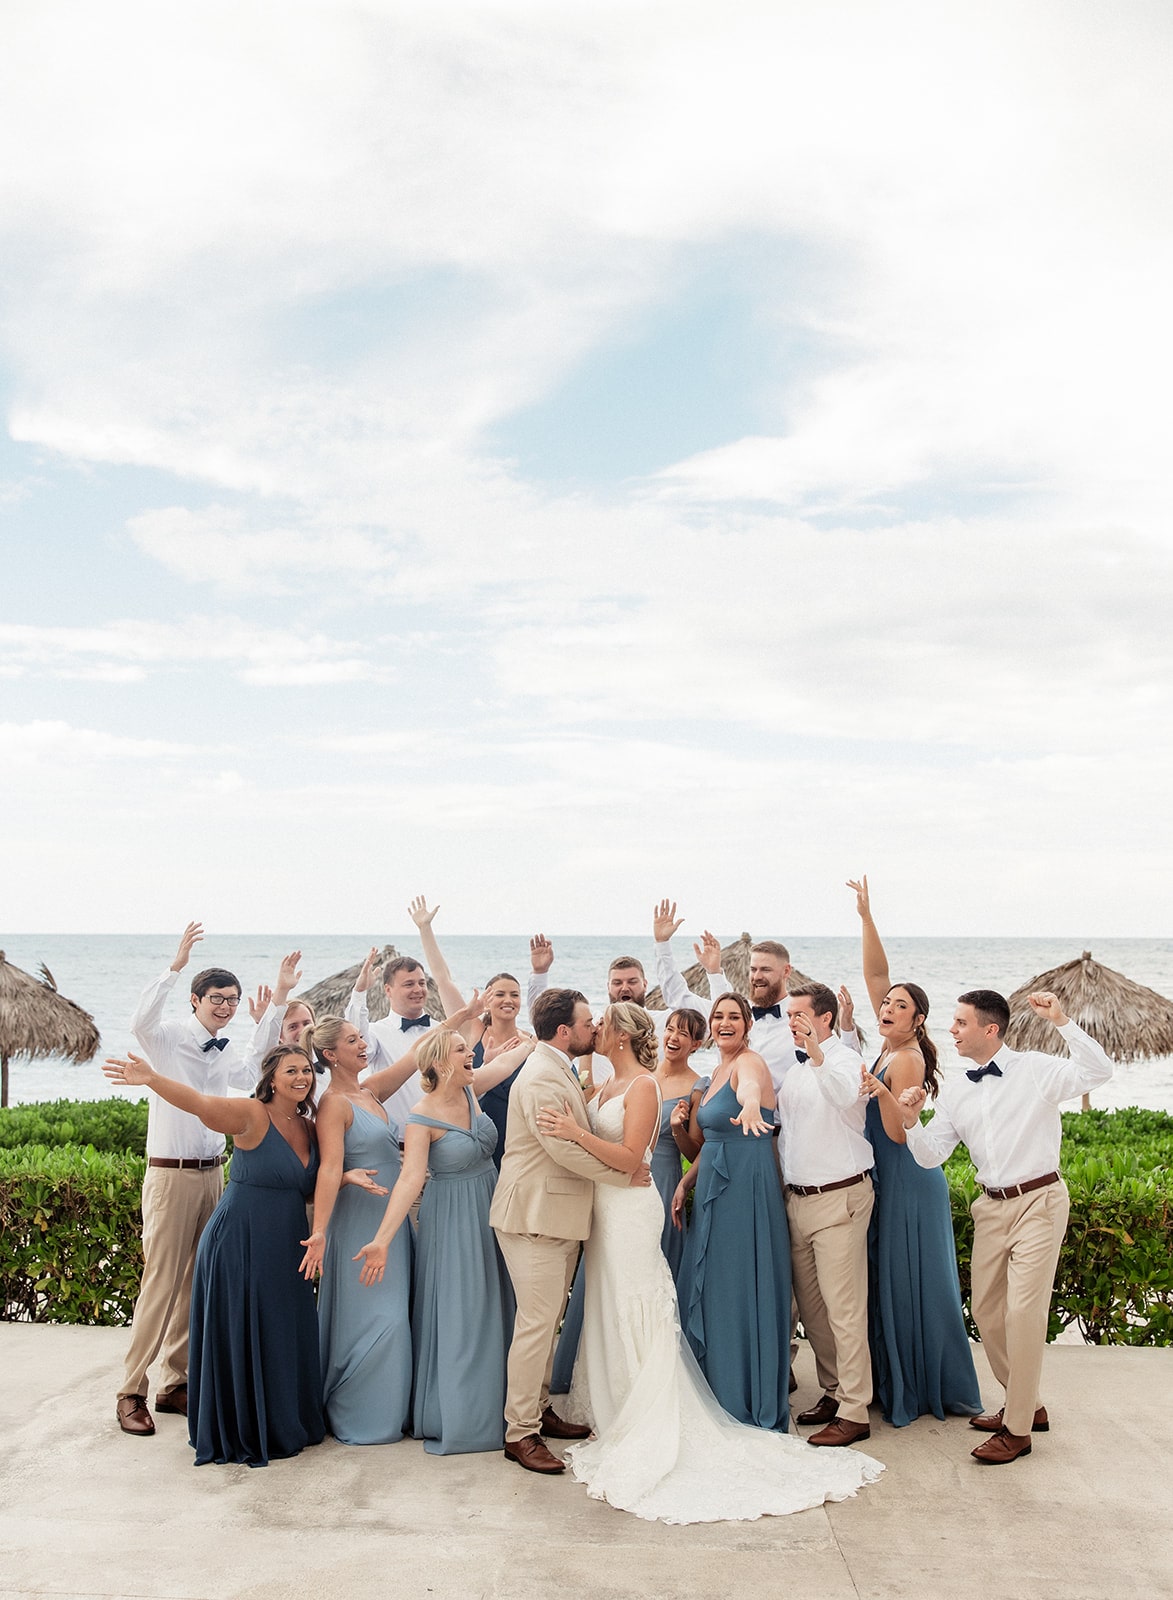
<point>664,1448</point>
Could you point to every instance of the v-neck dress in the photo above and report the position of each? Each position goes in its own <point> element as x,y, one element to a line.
<point>365,1329</point>
<point>254,1379</point>
<point>462,1317</point>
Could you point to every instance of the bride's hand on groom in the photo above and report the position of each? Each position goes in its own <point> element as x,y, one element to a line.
<point>559,1124</point>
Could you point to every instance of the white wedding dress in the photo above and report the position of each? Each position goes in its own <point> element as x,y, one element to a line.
<point>665,1450</point>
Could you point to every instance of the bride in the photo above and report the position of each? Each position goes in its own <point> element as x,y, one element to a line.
<point>664,1449</point>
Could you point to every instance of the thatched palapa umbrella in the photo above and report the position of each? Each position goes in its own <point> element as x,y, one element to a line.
<point>36,1021</point>
<point>1131,1022</point>
<point>735,966</point>
<point>329,997</point>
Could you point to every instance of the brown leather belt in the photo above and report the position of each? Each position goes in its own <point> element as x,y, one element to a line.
<point>1021,1188</point>
<point>825,1188</point>
<point>186,1166</point>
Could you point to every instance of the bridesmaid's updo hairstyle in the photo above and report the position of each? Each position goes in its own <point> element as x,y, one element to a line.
<point>635,1024</point>
<point>927,1048</point>
<point>264,1089</point>
<point>320,1036</point>
<point>431,1054</point>
<point>691,1021</point>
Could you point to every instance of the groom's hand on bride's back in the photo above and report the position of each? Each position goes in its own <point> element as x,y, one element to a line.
<point>642,1176</point>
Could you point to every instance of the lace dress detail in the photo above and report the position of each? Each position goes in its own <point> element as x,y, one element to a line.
<point>665,1450</point>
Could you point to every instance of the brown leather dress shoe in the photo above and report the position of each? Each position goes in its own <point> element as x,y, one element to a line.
<point>532,1454</point>
<point>993,1423</point>
<point>174,1400</point>
<point>841,1432</point>
<point>556,1427</point>
<point>133,1416</point>
<point>1002,1447</point>
<point>825,1411</point>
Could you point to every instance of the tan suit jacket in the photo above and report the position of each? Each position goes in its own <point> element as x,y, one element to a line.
<point>547,1186</point>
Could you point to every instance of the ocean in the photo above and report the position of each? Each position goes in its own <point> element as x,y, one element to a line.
<point>105,974</point>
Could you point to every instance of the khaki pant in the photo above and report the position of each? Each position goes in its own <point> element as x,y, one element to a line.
<point>1015,1252</point>
<point>541,1270</point>
<point>176,1205</point>
<point>829,1258</point>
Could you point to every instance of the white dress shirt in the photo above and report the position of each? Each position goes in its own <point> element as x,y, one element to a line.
<point>822,1118</point>
<point>176,1050</point>
<point>772,1039</point>
<point>266,1037</point>
<point>1010,1124</point>
<point>386,1042</point>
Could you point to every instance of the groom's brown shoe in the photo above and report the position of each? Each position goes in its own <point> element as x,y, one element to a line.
<point>556,1427</point>
<point>826,1410</point>
<point>841,1432</point>
<point>993,1423</point>
<point>532,1454</point>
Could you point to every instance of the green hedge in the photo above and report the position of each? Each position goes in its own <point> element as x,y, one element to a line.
<point>70,1221</point>
<point>1115,1273</point>
<point>70,1228</point>
<point>114,1125</point>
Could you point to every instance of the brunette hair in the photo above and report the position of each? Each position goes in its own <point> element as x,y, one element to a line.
<point>990,1007</point>
<point>400,964</point>
<point>635,1024</point>
<point>742,1005</point>
<point>214,978</point>
<point>264,1089</point>
<point>821,998</point>
<point>554,1009</point>
<point>927,1048</point>
<point>691,1021</point>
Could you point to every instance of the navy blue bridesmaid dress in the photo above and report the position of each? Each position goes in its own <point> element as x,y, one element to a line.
<point>254,1378</point>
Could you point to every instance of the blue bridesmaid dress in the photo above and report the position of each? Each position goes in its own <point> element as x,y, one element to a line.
<point>254,1381</point>
<point>462,1319</point>
<point>495,1101</point>
<point>365,1330</point>
<point>667,1171</point>
<point>735,1277</point>
<point>921,1357</point>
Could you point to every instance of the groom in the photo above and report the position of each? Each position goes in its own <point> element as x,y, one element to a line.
<point>541,1211</point>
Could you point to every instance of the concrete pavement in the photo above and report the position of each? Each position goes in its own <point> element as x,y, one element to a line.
<point>86,1511</point>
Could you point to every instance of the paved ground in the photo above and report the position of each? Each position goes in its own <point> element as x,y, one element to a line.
<point>87,1512</point>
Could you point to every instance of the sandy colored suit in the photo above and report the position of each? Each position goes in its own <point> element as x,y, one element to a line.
<point>541,1210</point>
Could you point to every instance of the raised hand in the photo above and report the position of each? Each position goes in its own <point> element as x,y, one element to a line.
<point>311,1262</point>
<point>708,953</point>
<point>665,921</point>
<point>364,1178</point>
<point>541,953</point>
<point>363,982</point>
<point>863,903</point>
<point>190,937</point>
<point>258,1007</point>
<point>1045,1004</point>
<point>471,1008</point>
<point>419,913</point>
<point>131,1069</point>
<point>846,1010</point>
<point>288,976</point>
<point>374,1263</point>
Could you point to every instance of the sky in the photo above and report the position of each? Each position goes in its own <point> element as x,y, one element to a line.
<point>549,456</point>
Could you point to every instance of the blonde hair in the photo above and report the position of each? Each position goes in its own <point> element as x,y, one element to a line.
<point>431,1054</point>
<point>636,1024</point>
<point>319,1037</point>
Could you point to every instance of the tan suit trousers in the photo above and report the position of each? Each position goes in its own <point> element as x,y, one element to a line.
<point>1015,1252</point>
<point>541,1270</point>
<point>829,1257</point>
<point>176,1206</point>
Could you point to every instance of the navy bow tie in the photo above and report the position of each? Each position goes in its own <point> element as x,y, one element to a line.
<point>215,1044</point>
<point>801,1055</point>
<point>766,1011</point>
<point>988,1071</point>
<point>414,1022</point>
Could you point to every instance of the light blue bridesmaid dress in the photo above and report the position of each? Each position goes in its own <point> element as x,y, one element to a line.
<point>462,1319</point>
<point>735,1277</point>
<point>921,1357</point>
<point>365,1330</point>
